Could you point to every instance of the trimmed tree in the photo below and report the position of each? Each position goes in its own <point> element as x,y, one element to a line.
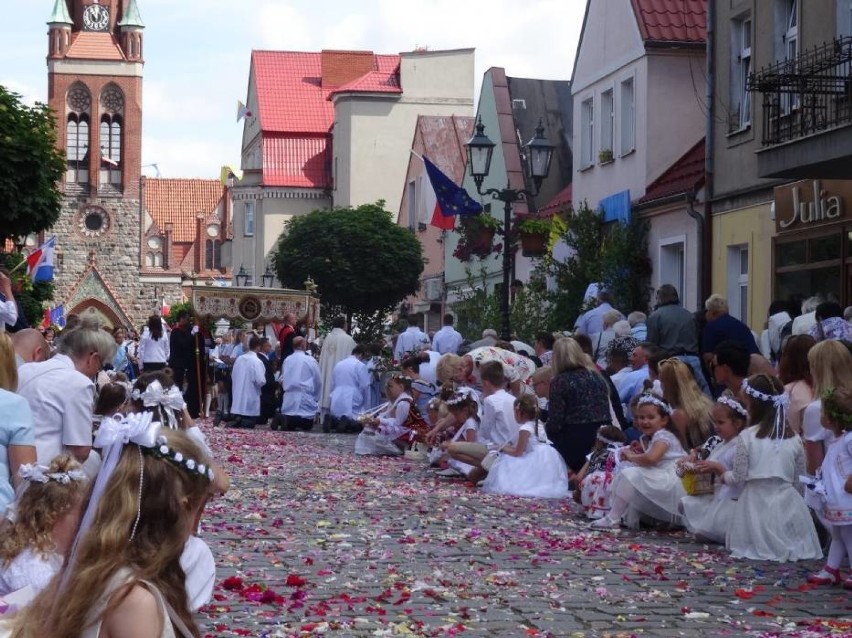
<point>363,263</point>
<point>30,167</point>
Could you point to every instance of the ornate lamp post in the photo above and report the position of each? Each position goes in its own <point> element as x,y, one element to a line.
<point>539,153</point>
<point>267,277</point>
<point>241,276</point>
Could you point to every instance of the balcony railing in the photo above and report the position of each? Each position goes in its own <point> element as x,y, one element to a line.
<point>806,95</point>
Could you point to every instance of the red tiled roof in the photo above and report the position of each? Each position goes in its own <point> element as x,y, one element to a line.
<point>671,20</point>
<point>685,175</point>
<point>94,45</point>
<point>443,138</point>
<point>293,87</point>
<point>373,82</point>
<point>300,161</point>
<point>560,202</point>
<point>178,201</point>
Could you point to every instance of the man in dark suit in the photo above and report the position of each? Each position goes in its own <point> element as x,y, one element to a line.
<point>268,400</point>
<point>182,349</point>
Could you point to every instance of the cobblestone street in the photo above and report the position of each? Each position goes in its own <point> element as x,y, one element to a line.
<point>312,540</point>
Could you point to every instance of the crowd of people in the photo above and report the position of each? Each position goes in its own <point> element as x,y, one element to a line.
<point>666,420</point>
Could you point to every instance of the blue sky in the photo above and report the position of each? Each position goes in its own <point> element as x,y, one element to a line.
<point>197,55</point>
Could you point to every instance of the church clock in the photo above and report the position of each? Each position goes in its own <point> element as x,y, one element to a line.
<point>96,17</point>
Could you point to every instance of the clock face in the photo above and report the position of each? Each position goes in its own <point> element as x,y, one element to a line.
<point>96,17</point>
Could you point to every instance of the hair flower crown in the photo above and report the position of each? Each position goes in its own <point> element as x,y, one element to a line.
<point>42,474</point>
<point>734,405</point>
<point>652,399</point>
<point>829,405</point>
<point>163,451</point>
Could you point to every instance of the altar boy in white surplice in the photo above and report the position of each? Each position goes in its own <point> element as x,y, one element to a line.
<point>301,382</point>
<point>350,390</point>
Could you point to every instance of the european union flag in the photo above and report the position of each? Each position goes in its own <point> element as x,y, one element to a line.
<point>452,199</point>
<point>57,316</point>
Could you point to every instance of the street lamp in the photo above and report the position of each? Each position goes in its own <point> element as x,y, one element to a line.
<point>242,276</point>
<point>539,153</point>
<point>267,277</point>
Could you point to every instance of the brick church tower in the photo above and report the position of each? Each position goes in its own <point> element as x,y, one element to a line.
<point>95,67</point>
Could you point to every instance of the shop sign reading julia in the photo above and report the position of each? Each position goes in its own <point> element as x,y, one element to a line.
<point>811,203</point>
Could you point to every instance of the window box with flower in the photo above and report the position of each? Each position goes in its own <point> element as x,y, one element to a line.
<point>476,237</point>
<point>533,233</point>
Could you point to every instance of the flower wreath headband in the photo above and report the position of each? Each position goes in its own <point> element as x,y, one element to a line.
<point>833,410</point>
<point>114,434</point>
<point>734,405</point>
<point>779,401</point>
<point>41,474</point>
<point>650,399</point>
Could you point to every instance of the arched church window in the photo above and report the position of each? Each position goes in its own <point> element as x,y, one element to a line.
<point>78,103</point>
<point>112,119</point>
<point>213,254</point>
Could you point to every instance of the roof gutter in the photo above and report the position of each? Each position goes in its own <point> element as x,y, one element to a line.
<point>705,279</point>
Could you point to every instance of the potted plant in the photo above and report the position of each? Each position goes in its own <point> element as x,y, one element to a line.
<point>477,236</point>
<point>534,233</point>
<point>605,156</point>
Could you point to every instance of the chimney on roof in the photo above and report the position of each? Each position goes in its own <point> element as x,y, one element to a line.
<point>341,67</point>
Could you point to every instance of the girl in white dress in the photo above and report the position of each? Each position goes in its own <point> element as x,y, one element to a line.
<point>708,516</point>
<point>770,520</point>
<point>33,546</point>
<point>529,466</point>
<point>385,434</point>
<point>833,486</point>
<point>645,483</point>
<point>124,567</point>
<point>594,480</point>
<point>465,411</point>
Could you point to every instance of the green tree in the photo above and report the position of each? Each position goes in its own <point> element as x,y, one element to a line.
<point>614,254</point>
<point>362,262</point>
<point>30,167</point>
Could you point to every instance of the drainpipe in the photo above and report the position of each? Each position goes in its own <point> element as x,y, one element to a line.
<point>706,225</point>
<point>701,231</point>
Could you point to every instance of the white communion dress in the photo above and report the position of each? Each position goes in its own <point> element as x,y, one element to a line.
<point>709,515</point>
<point>770,520</point>
<point>539,472</point>
<point>652,492</point>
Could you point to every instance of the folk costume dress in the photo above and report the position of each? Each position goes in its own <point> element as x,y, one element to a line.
<point>539,472</point>
<point>597,486</point>
<point>709,515</point>
<point>381,441</point>
<point>652,492</point>
<point>835,502</point>
<point>770,520</point>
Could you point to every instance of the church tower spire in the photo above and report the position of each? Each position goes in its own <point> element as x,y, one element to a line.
<point>131,27</point>
<point>60,24</point>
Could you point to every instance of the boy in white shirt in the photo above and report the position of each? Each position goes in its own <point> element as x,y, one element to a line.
<point>497,427</point>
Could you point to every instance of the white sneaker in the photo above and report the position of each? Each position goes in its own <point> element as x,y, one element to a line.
<point>448,473</point>
<point>605,523</point>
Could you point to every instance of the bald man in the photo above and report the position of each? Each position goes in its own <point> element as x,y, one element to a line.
<point>30,346</point>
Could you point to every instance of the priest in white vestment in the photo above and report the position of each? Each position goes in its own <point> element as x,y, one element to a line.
<point>336,346</point>
<point>350,390</point>
<point>248,377</point>
<point>301,382</point>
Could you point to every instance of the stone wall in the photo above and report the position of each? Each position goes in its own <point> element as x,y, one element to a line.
<point>112,251</point>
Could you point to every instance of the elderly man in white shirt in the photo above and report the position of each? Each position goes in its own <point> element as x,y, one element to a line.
<point>248,377</point>
<point>447,339</point>
<point>60,392</point>
<point>411,340</point>
<point>350,390</point>
<point>301,382</point>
